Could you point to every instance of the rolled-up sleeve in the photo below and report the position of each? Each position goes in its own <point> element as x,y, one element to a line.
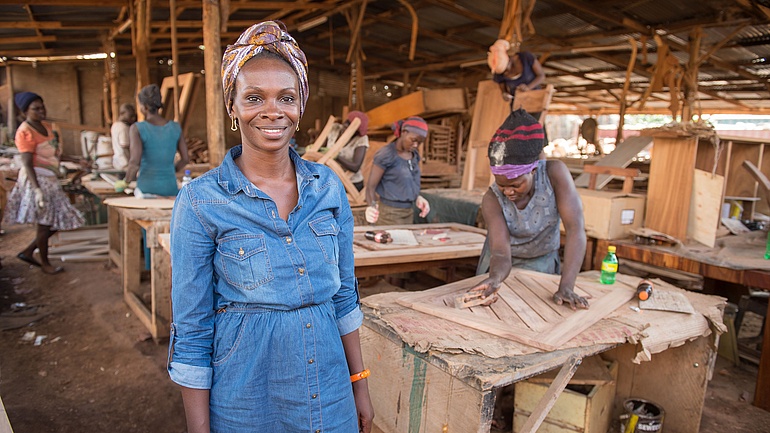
<point>346,300</point>
<point>192,295</point>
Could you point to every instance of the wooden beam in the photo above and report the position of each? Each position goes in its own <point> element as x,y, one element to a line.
<point>212,61</point>
<point>452,6</point>
<point>174,57</point>
<point>27,39</point>
<point>141,37</point>
<point>617,20</point>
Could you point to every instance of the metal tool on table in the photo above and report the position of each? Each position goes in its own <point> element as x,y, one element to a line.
<point>379,236</point>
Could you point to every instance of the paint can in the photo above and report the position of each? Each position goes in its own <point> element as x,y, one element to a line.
<point>641,416</point>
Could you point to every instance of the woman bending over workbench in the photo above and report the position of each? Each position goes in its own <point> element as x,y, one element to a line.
<point>522,210</point>
<point>265,301</point>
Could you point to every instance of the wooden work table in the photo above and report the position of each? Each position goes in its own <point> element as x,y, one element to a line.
<point>125,228</point>
<point>431,371</point>
<point>665,258</point>
<point>461,245</point>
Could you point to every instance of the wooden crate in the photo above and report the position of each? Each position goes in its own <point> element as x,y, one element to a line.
<point>573,411</point>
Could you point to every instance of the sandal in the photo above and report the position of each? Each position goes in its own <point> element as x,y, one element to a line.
<point>25,258</point>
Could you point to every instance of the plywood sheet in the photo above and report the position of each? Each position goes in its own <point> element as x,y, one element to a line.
<point>141,203</point>
<point>621,157</point>
<point>667,300</point>
<point>705,207</point>
<point>525,312</point>
<point>669,189</point>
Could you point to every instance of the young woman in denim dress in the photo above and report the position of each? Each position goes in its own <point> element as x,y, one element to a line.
<point>265,302</point>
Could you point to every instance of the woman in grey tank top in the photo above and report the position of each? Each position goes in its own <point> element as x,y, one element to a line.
<point>523,207</point>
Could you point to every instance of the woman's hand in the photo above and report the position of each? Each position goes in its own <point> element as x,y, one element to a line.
<point>569,295</point>
<point>372,214</point>
<point>522,88</point>
<point>363,405</point>
<point>423,205</point>
<point>488,289</point>
<point>507,97</point>
<point>39,198</point>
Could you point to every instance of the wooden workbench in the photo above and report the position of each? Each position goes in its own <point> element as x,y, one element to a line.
<point>462,246</point>
<point>666,258</point>
<point>430,373</point>
<point>125,226</point>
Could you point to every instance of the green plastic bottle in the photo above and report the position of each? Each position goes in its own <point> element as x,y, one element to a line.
<point>609,266</point>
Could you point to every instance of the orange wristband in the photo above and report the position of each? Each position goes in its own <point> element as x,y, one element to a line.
<point>358,376</point>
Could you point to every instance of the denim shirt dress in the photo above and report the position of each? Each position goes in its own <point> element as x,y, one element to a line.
<point>259,303</point>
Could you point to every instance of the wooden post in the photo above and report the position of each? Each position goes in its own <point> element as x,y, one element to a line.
<point>762,391</point>
<point>174,57</point>
<point>11,104</point>
<point>624,95</point>
<point>691,75</point>
<point>212,61</point>
<point>106,116</point>
<point>142,43</point>
<point>113,76</point>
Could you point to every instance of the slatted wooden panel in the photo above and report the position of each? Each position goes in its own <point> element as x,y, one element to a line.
<point>525,311</point>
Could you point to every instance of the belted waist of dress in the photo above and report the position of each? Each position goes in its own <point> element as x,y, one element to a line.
<point>258,308</point>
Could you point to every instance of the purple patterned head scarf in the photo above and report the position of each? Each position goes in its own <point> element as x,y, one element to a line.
<point>267,36</point>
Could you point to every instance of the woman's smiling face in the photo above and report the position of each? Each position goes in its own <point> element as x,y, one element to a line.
<point>266,103</point>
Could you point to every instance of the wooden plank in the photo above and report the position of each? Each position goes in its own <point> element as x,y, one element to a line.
<point>417,396</point>
<point>489,112</point>
<point>160,282</point>
<point>673,162</point>
<point>141,203</point>
<point>549,399</point>
<point>5,424</point>
<point>321,139</point>
<point>592,371</point>
<point>131,257</point>
<point>654,381</point>
<point>705,207</point>
<point>736,182</point>
<point>762,390</point>
<point>417,103</point>
<point>621,157</point>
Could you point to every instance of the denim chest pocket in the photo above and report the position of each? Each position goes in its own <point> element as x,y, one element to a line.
<point>325,230</point>
<point>244,261</point>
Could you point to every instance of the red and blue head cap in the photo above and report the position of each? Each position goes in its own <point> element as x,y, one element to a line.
<point>412,124</point>
<point>515,148</point>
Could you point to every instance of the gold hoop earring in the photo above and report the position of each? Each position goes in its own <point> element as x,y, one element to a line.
<point>234,125</point>
<point>298,127</point>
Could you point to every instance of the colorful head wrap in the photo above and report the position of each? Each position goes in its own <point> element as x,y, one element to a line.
<point>363,127</point>
<point>24,99</point>
<point>266,36</point>
<point>412,124</point>
<point>516,146</point>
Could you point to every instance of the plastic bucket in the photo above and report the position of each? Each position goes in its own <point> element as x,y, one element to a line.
<point>641,416</point>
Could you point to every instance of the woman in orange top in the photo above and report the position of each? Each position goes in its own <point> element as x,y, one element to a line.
<point>38,197</point>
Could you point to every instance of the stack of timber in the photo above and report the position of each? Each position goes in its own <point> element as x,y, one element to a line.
<point>87,244</point>
<point>197,150</point>
<point>424,103</point>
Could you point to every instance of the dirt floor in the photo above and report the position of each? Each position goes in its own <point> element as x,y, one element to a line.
<point>96,369</point>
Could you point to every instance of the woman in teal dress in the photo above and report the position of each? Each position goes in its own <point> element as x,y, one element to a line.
<point>154,144</point>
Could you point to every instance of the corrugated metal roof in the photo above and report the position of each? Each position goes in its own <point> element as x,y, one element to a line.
<point>585,43</point>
